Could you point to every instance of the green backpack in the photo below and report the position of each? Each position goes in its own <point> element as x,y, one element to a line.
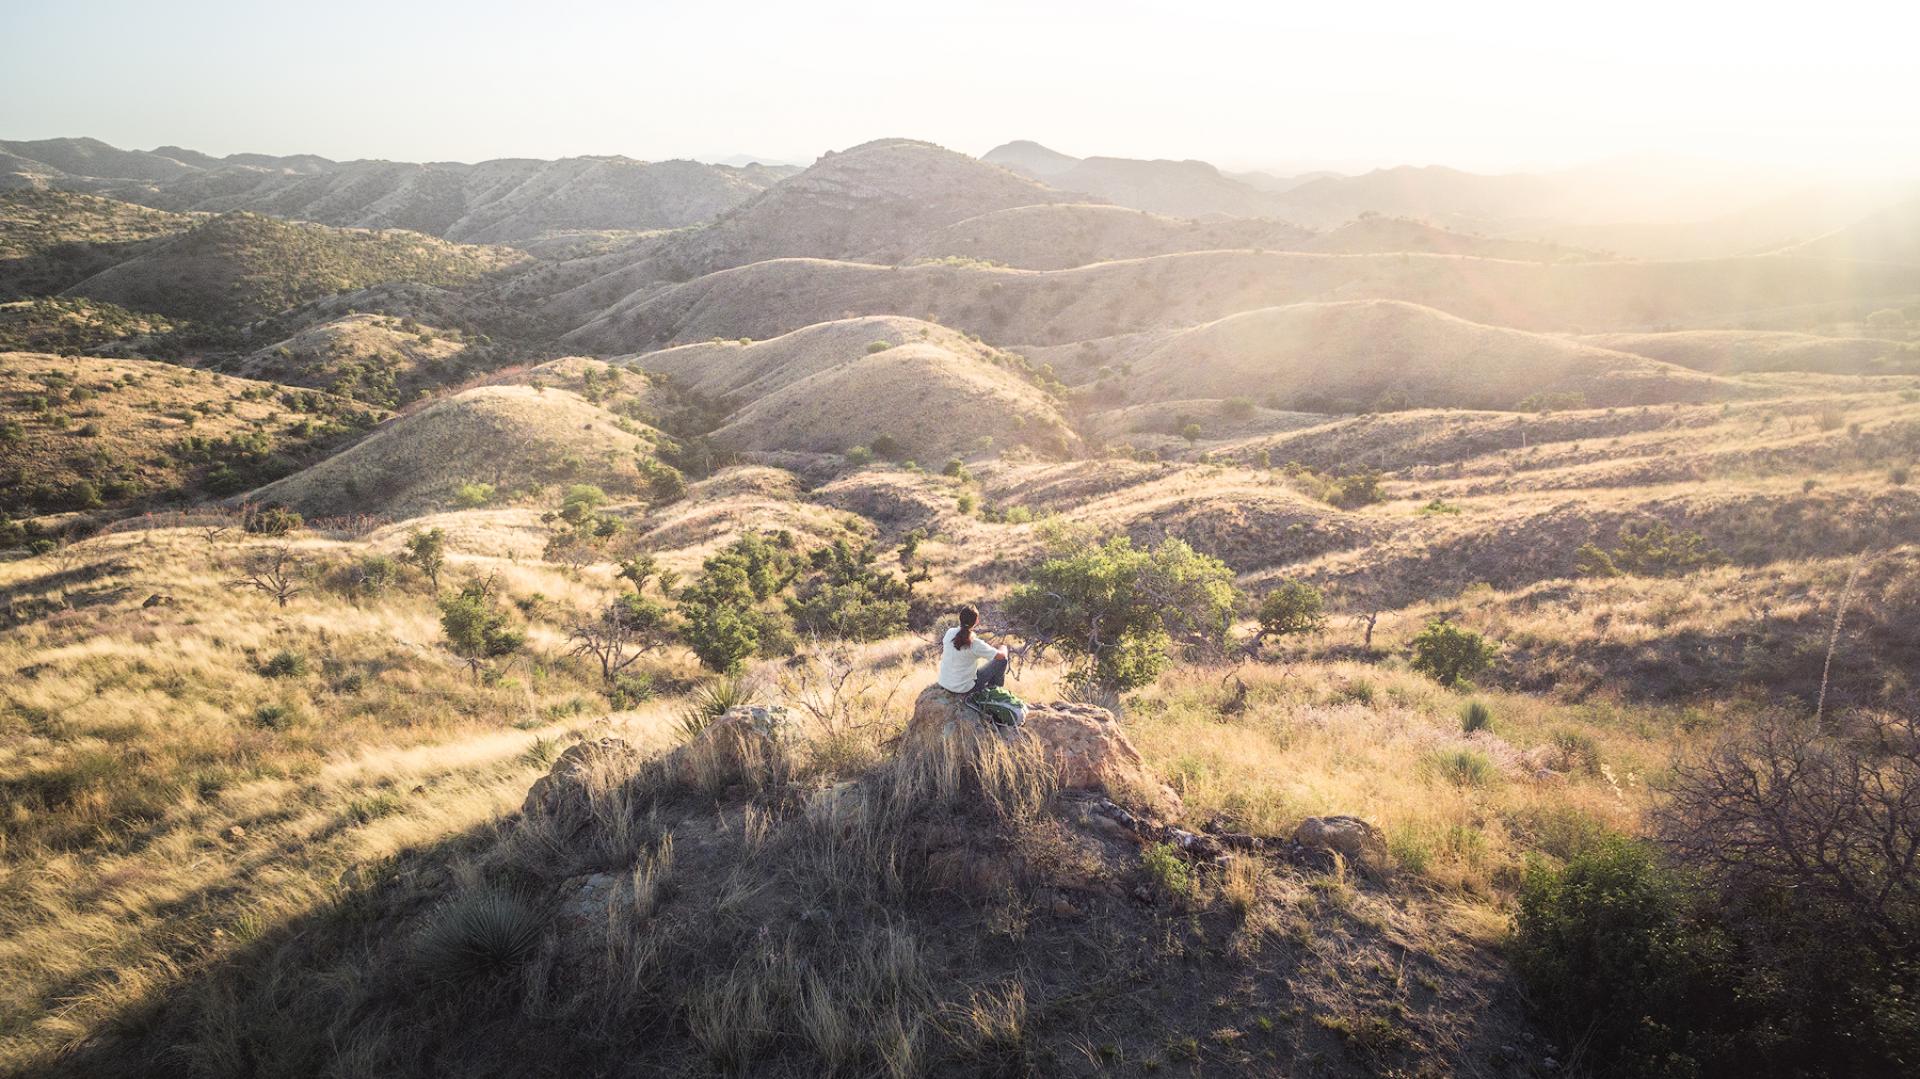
<point>996,705</point>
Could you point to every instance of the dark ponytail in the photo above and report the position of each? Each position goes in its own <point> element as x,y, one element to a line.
<point>969,617</point>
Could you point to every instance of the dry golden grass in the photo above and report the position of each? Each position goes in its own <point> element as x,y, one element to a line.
<point>1060,307</point>
<point>1366,350</point>
<point>371,357</point>
<point>168,800</point>
<point>1059,236</point>
<point>122,425</point>
<point>517,438</point>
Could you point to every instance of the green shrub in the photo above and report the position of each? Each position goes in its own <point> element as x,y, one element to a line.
<point>887,448</point>
<point>877,346</point>
<point>665,483</point>
<point>957,468</point>
<point>859,455</point>
<point>722,619</point>
<point>476,627</point>
<point>1451,654</point>
<point>1355,490</point>
<point>275,716</point>
<point>374,575</point>
<point>1117,610</point>
<point>631,688</point>
<point>1465,767</point>
<point>477,937</point>
<point>1577,750</point>
<point>1653,550</point>
<point>1293,608</point>
<point>285,664</point>
<point>473,495</point>
<point>1612,957</point>
<point>1168,870</point>
<point>847,597</point>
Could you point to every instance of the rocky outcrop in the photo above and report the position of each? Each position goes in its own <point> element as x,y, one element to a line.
<point>1360,843</point>
<point>571,783</point>
<point>1084,744</point>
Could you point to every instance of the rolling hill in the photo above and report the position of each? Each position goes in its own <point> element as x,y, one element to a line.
<point>243,266</point>
<point>830,387</point>
<point>496,201</point>
<point>1726,352</point>
<point>1174,188</point>
<point>1057,236</point>
<point>52,239</point>
<point>375,358</point>
<point>513,437</point>
<point>1325,357</point>
<point>1062,306</point>
<point>112,436</point>
<point>875,202</point>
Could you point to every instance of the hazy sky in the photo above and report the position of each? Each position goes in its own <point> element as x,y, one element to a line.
<point>1489,86</point>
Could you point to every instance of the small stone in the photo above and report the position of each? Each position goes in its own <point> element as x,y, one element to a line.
<point>236,832</point>
<point>1065,909</point>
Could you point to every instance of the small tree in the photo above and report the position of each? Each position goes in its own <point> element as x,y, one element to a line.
<point>1293,609</point>
<point>476,627</point>
<point>1450,654</point>
<point>1118,610</point>
<point>276,572</point>
<point>427,551</point>
<point>847,598</point>
<point>620,633</point>
<point>722,620</point>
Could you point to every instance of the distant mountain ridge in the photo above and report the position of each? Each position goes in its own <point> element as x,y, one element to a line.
<point>499,201</point>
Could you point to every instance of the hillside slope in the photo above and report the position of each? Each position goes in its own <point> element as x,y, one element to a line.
<point>243,266</point>
<point>1313,357</point>
<point>1735,351</point>
<point>490,202</point>
<point>510,436</point>
<point>1060,306</point>
<point>1057,236</point>
<point>52,239</point>
<point>92,434</point>
<point>873,202</point>
<point>932,402</point>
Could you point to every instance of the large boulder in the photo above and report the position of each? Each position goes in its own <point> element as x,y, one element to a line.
<point>1360,843</point>
<point>584,769</point>
<point>749,744</point>
<point>1083,742</point>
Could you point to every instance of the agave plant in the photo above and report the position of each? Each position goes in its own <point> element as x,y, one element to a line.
<point>479,934</point>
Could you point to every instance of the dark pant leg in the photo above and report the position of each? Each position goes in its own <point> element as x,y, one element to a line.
<point>991,675</point>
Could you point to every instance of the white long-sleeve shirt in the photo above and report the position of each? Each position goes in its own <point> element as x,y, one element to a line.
<point>958,666</point>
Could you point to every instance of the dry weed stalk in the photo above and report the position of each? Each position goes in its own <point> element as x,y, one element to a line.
<point>1833,640</point>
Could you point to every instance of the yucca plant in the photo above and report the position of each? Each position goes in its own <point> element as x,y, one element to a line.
<point>477,935</point>
<point>710,702</point>
<point>1475,716</point>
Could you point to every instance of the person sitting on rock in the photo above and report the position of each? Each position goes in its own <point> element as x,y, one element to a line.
<point>960,656</point>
